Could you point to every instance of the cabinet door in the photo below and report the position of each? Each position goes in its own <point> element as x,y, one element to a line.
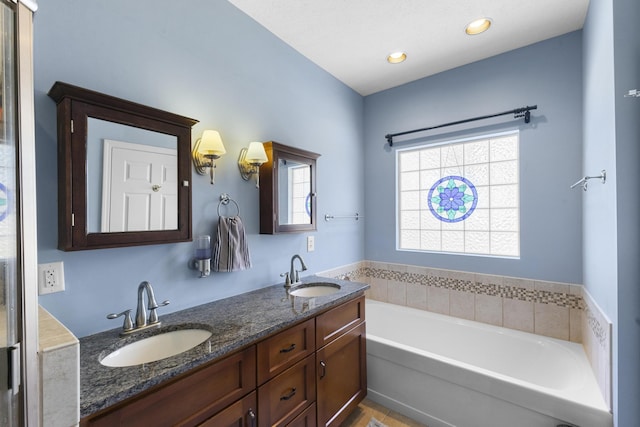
<point>188,400</point>
<point>282,350</point>
<point>341,375</point>
<point>240,414</point>
<point>335,322</point>
<point>281,399</point>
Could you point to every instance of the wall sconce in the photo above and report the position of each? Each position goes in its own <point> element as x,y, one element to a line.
<point>206,150</point>
<point>250,160</point>
<point>202,255</point>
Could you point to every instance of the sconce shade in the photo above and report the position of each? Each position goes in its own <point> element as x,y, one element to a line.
<point>256,153</point>
<point>250,160</point>
<point>211,144</point>
<point>206,150</point>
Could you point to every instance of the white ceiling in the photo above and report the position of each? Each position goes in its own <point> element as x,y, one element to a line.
<point>350,39</point>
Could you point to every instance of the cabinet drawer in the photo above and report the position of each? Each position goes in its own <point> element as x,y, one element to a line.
<point>281,399</point>
<point>243,413</point>
<point>188,400</point>
<point>338,320</point>
<point>282,350</point>
<point>306,419</point>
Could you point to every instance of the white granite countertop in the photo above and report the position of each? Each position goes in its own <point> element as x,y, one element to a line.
<point>235,322</point>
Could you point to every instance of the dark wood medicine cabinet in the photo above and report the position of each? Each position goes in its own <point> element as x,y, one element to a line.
<point>95,132</point>
<point>288,200</point>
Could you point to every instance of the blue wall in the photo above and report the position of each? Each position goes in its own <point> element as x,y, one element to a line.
<point>548,74</point>
<point>626,14</point>
<point>599,203</point>
<point>211,62</point>
<point>611,232</point>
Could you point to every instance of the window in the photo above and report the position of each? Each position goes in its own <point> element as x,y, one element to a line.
<point>460,197</point>
<point>300,203</point>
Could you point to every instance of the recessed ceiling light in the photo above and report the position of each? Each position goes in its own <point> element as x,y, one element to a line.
<point>396,57</point>
<point>478,26</point>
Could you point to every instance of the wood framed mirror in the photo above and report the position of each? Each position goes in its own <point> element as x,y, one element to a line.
<point>288,200</point>
<point>124,172</point>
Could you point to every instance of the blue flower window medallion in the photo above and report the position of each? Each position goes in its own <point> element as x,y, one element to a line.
<point>452,199</point>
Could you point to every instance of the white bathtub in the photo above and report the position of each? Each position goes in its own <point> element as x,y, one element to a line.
<point>445,371</point>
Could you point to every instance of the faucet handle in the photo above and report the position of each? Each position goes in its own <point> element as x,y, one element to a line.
<point>153,316</point>
<point>128,322</point>
<point>287,279</point>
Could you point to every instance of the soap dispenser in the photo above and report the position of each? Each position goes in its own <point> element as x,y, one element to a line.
<point>202,258</point>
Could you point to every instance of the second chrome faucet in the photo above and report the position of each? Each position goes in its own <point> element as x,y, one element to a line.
<point>293,277</point>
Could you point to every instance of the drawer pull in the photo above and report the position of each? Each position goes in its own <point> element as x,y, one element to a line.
<point>324,369</point>
<point>288,349</point>
<point>290,395</point>
<point>252,418</point>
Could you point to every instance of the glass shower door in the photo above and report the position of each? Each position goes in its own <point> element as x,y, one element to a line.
<point>10,277</point>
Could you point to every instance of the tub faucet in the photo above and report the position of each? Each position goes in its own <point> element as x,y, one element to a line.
<point>293,273</point>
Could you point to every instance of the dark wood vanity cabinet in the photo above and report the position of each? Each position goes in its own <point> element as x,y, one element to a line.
<point>338,352</point>
<point>286,375</point>
<point>190,400</point>
<point>312,373</point>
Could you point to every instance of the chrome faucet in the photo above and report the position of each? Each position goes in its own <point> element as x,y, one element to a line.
<point>293,273</point>
<point>142,322</point>
<point>141,312</point>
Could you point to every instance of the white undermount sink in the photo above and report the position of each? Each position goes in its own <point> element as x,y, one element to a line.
<point>310,290</point>
<point>155,348</point>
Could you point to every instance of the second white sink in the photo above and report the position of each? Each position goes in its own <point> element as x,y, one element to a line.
<point>156,347</point>
<point>315,290</point>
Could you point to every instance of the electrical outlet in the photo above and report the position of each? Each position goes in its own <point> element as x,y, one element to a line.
<point>50,278</point>
<point>311,243</point>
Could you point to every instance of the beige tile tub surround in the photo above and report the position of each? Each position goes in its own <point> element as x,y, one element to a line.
<point>544,308</point>
<point>558,310</point>
<point>596,340</point>
<point>59,360</point>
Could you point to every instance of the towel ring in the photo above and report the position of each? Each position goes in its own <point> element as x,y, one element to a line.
<point>224,200</point>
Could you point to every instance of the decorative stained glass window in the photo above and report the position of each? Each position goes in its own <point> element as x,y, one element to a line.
<point>460,197</point>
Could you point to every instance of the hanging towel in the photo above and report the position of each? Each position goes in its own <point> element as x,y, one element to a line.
<point>230,252</point>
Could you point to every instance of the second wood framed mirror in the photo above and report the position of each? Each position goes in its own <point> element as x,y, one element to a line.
<point>288,200</point>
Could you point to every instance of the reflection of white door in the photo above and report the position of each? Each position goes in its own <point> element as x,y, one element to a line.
<point>139,187</point>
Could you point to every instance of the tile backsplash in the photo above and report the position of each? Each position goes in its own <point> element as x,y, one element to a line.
<point>558,310</point>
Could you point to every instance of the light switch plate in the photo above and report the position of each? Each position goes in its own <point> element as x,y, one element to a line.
<point>311,243</point>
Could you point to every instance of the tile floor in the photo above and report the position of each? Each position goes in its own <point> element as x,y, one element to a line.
<point>367,409</point>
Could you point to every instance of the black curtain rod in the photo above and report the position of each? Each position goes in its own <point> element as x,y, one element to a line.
<point>517,113</point>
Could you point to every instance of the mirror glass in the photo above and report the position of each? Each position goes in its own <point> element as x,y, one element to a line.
<point>132,180</point>
<point>294,192</point>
